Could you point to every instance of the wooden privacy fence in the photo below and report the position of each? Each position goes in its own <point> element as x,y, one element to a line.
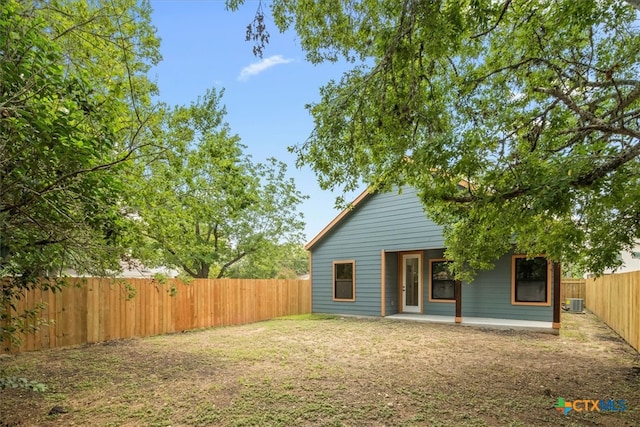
<point>615,298</point>
<point>95,310</point>
<point>572,288</point>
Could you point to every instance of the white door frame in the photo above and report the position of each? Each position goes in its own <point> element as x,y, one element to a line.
<point>403,288</point>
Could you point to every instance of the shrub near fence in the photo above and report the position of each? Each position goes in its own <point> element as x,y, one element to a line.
<point>95,310</point>
<point>615,298</point>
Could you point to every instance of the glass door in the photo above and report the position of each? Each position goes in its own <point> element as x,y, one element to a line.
<point>411,283</point>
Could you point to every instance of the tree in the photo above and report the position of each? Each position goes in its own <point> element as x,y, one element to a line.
<point>203,205</point>
<point>74,103</point>
<point>277,261</point>
<point>533,103</point>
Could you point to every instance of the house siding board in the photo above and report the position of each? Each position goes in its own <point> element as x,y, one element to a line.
<point>396,223</point>
<point>490,296</point>
<point>391,281</point>
<point>367,298</point>
<point>389,221</point>
<point>434,308</point>
<point>384,221</point>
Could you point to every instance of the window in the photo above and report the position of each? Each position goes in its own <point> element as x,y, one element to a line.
<point>442,285</point>
<point>530,281</point>
<point>344,280</point>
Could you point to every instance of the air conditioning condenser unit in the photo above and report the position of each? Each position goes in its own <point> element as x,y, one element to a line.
<point>576,305</point>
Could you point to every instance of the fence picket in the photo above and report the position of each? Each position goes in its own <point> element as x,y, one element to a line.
<point>615,298</point>
<point>95,310</point>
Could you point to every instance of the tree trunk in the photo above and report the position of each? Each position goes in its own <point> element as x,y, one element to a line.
<point>203,271</point>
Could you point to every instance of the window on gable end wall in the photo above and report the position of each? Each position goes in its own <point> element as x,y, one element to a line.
<point>344,280</point>
<point>441,281</point>
<point>530,281</point>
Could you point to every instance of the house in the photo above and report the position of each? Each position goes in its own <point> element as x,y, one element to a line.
<point>384,257</point>
<point>131,269</point>
<point>630,261</point>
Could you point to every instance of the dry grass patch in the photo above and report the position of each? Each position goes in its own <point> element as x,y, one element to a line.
<point>323,371</point>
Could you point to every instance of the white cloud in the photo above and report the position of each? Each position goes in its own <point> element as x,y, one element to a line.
<point>258,67</point>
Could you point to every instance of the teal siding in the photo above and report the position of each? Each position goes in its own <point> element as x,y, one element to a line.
<point>391,281</point>
<point>386,221</point>
<point>434,308</point>
<point>490,296</point>
<point>396,222</point>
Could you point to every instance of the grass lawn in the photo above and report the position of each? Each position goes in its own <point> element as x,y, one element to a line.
<point>319,371</point>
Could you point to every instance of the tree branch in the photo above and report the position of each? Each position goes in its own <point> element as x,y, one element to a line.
<point>209,231</point>
<point>505,68</point>
<point>73,174</point>
<point>188,270</point>
<point>198,236</point>
<point>600,171</point>
<point>609,83</point>
<point>224,268</point>
<point>215,237</point>
<point>582,180</point>
<point>129,73</point>
<point>494,26</point>
<point>626,101</point>
<point>566,99</point>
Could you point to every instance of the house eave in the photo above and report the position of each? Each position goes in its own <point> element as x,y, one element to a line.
<point>338,218</point>
<point>346,211</point>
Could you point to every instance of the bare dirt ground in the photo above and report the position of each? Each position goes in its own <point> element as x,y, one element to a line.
<point>311,371</point>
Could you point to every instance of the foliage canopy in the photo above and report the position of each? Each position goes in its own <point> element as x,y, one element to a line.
<point>88,160</point>
<point>535,103</point>
<point>204,205</point>
<point>74,107</point>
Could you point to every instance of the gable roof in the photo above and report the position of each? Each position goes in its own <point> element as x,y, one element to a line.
<point>365,194</point>
<point>339,218</point>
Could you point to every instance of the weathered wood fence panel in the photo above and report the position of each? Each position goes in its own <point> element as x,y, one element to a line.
<point>615,298</point>
<point>573,288</point>
<point>95,310</point>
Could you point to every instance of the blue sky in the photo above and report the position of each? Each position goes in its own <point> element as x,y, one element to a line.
<point>203,46</point>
